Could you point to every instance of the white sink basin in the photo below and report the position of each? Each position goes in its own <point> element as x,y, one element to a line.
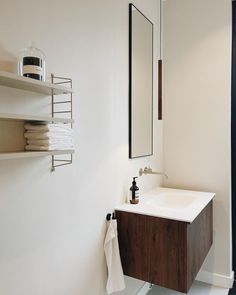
<point>170,203</point>
<point>172,200</point>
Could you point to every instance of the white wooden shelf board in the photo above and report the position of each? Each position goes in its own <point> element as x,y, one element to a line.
<point>19,117</point>
<point>32,154</point>
<point>14,81</point>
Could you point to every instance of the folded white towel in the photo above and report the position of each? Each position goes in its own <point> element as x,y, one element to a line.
<point>48,127</point>
<point>56,131</point>
<point>47,148</point>
<point>53,141</point>
<point>46,135</point>
<point>115,281</point>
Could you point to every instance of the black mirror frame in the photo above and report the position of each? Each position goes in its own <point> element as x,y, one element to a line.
<point>130,83</point>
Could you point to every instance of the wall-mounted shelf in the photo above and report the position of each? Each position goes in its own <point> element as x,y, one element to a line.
<point>36,154</point>
<point>14,81</point>
<point>56,87</point>
<point>41,119</point>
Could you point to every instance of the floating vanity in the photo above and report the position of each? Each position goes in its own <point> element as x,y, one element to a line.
<point>165,238</point>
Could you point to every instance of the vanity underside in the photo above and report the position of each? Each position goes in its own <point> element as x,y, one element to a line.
<point>164,252</point>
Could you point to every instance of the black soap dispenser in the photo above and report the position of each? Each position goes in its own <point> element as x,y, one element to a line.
<point>134,192</point>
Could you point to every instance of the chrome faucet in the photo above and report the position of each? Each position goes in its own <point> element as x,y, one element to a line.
<point>148,170</point>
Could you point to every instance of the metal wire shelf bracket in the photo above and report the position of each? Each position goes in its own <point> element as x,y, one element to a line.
<point>68,107</point>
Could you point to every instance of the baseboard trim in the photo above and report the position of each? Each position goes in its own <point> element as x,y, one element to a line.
<point>216,279</point>
<point>144,289</point>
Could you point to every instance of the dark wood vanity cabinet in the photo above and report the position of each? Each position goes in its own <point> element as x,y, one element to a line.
<point>164,252</point>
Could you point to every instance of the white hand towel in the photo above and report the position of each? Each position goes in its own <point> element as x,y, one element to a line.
<point>47,142</point>
<point>47,148</point>
<point>115,281</point>
<point>46,135</point>
<point>48,127</point>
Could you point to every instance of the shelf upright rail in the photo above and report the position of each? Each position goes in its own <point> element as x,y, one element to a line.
<point>69,103</point>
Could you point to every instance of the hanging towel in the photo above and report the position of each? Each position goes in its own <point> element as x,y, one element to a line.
<point>115,281</point>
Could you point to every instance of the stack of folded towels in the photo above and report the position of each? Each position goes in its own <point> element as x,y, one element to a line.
<point>48,137</point>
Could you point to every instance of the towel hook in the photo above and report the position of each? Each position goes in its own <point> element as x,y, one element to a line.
<point>109,216</point>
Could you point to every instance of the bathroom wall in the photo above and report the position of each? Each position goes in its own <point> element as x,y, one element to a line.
<point>52,225</point>
<point>197,89</point>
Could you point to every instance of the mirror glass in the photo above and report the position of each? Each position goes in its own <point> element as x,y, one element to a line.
<point>140,84</point>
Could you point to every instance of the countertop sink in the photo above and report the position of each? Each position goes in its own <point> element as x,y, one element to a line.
<point>176,204</point>
<point>172,200</point>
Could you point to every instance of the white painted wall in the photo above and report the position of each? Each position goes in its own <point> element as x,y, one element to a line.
<point>52,226</point>
<point>197,75</point>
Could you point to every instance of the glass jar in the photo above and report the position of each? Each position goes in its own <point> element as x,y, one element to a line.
<point>32,63</point>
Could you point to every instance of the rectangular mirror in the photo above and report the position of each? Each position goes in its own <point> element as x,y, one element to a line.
<point>140,84</point>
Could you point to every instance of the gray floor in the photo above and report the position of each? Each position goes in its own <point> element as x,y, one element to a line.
<point>198,288</point>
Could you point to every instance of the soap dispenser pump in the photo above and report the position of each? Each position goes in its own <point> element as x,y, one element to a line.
<point>134,192</point>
